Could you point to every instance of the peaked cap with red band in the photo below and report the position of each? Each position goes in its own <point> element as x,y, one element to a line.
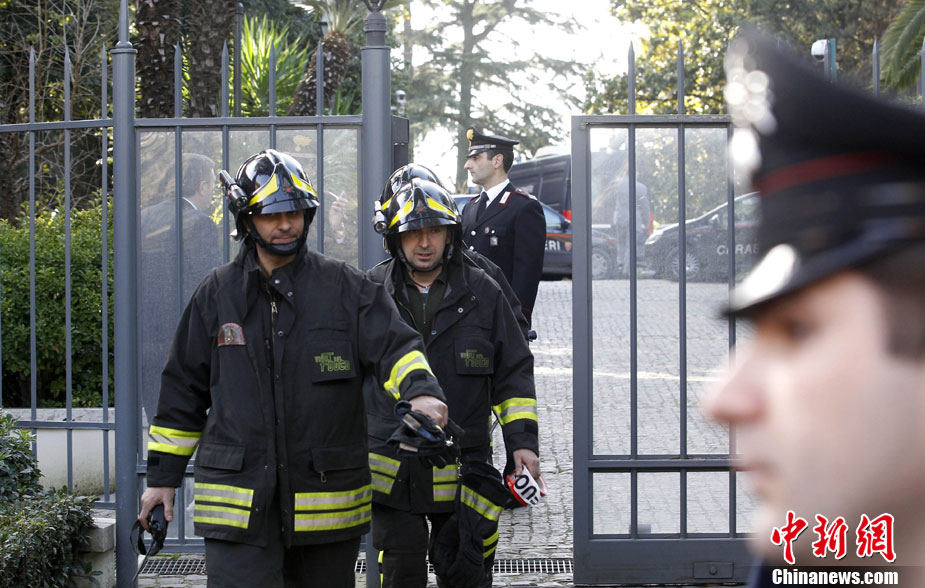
<point>841,173</point>
<point>479,142</point>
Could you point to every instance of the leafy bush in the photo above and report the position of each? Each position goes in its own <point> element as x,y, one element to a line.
<point>18,472</point>
<point>41,537</point>
<point>86,307</point>
<point>41,532</point>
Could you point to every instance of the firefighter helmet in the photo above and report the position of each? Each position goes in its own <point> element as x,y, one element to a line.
<point>272,182</point>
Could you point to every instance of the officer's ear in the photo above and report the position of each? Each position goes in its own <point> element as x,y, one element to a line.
<point>497,161</point>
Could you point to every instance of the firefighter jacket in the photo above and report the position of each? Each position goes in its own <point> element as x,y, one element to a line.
<point>265,378</point>
<point>484,365</point>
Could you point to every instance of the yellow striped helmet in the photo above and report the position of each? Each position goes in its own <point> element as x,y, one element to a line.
<point>274,182</point>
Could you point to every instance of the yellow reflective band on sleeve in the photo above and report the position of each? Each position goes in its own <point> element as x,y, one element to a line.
<point>332,500</point>
<point>265,190</point>
<point>221,515</point>
<point>486,508</point>
<point>445,483</point>
<point>490,544</point>
<point>383,470</point>
<point>224,494</point>
<point>330,521</point>
<point>514,409</point>
<point>413,360</point>
<point>173,441</point>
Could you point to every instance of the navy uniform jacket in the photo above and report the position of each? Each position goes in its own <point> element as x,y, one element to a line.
<point>265,379</point>
<point>511,233</point>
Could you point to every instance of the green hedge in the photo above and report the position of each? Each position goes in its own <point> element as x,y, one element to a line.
<point>86,308</point>
<point>41,532</point>
<point>40,539</point>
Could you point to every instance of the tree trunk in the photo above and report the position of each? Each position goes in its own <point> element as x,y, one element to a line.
<point>336,53</point>
<point>209,26</point>
<point>158,32</point>
<point>466,72</point>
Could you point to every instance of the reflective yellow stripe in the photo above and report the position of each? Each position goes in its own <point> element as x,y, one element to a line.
<point>448,474</point>
<point>298,183</point>
<point>382,483</point>
<point>224,494</point>
<point>173,441</point>
<point>444,492</point>
<point>328,521</point>
<point>514,409</point>
<point>265,190</point>
<point>445,483</point>
<point>383,464</point>
<point>439,207</point>
<point>413,360</point>
<point>332,500</point>
<point>221,515</point>
<point>490,544</point>
<point>479,504</point>
<point>402,212</point>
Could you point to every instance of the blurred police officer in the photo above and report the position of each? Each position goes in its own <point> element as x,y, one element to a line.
<point>503,224</point>
<point>828,398</point>
<point>265,378</point>
<point>483,364</point>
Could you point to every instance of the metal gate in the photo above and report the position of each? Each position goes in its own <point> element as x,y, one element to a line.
<point>656,500</point>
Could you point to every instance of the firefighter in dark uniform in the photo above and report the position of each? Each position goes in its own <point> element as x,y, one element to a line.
<point>483,364</point>
<point>404,175</point>
<point>265,379</point>
<point>503,224</point>
<point>828,397</point>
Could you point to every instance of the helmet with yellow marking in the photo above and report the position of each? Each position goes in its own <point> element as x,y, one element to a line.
<point>273,182</point>
<point>416,204</point>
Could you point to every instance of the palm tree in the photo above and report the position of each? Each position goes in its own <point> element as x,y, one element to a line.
<point>209,25</point>
<point>902,46</point>
<point>158,31</point>
<point>344,17</point>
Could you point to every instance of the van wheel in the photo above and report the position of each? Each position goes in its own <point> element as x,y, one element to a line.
<point>603,265</point>
<point>692,265</point>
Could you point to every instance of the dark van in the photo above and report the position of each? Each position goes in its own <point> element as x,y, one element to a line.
<point>548,178</point>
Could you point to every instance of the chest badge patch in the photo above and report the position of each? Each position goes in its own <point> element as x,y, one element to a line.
<point>474,359</point>
<point>328,362</point>
<point>230,334</point>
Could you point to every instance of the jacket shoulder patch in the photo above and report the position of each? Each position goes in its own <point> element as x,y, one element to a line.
<point>230,334</point>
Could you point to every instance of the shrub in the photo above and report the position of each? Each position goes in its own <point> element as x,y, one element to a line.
<point>86,307</point>
<point>41,531</point>
<point>18,472</point>
<point>40,539</point>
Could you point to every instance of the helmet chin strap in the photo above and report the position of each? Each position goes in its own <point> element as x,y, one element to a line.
<point>284,250</point>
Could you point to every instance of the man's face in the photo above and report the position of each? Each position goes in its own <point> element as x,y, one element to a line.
<point>423,248</point>
<point>481,168</point>
<point>826,419</point>
<point>280,228</point>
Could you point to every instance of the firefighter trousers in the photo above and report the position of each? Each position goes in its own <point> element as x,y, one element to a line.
<point>403,541</point>
<point>328,565</point>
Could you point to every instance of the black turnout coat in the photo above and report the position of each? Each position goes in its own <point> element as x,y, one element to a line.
<point>483,363</point>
